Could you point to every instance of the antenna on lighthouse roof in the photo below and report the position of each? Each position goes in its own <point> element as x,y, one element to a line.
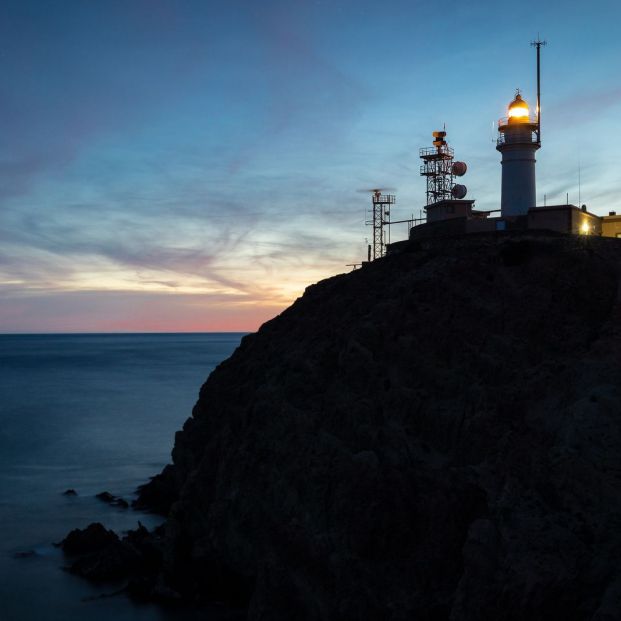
<point>537,44</point>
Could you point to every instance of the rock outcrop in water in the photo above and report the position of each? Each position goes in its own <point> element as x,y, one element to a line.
<point>435,436</point>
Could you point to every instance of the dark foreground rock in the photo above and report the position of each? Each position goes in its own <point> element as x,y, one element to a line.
<point>92,539</point>
<point>435,436</point>
<point>99,554</point>
<point>115,501</point>
<point>160,493</point>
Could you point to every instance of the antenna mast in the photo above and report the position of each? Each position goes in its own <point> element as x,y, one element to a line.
<point>381,218</point>
<point>537,44</point>
<point>438,168</point>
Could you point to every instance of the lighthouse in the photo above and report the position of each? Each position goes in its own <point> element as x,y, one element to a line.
<point>518,139</point>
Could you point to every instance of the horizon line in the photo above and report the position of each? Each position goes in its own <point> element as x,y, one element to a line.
<point>86,333</point>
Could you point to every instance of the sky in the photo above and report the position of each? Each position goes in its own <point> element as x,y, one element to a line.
<point>180,165</point>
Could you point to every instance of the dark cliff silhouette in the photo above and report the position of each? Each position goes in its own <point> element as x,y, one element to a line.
<point>434,436</point>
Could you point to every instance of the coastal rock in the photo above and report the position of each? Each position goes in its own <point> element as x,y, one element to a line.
<point>101,555</point>
<point>434,436</point>
<point>70,492</point>
<point>159,494</point>
<point>91,539</point>
<point>115,501</point>
<point>114,562</point>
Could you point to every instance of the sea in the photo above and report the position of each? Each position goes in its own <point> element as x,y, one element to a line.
<point>93,413</point>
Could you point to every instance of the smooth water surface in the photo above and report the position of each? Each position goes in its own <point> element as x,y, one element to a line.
<point>92,413</point>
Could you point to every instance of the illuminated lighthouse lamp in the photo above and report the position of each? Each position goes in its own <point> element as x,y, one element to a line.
<point>518,111</point>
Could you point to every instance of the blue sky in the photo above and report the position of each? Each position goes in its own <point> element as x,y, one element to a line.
<point>194,165</point>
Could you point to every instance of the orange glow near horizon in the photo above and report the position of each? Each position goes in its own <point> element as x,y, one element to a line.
<point>124,311</point>
<point>99,295</point>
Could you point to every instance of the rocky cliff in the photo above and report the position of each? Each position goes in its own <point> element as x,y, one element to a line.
<point>434,436</point>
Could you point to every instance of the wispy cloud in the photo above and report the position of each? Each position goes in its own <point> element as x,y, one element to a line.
<point>585,105</point>
<point>307,97</point>
<point>205,155</point>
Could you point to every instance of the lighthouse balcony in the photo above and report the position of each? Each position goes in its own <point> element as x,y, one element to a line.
<point>523,139</point>
<point>517,134</point>
<point>511,121</point>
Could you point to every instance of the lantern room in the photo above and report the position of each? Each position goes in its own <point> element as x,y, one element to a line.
<point>518,111</point>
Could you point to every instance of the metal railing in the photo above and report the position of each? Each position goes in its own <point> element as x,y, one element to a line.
<point>444,152</point>
<point>530,119</point>
<point>383,199</point>
<point>502,138</point>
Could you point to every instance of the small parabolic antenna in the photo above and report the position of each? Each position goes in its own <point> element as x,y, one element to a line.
<point>459,191</point>
<point>459,169</point>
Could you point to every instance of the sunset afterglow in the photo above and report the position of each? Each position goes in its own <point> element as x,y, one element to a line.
<point>194,166</point>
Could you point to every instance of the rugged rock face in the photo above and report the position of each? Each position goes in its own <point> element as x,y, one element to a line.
<point>434,436</point>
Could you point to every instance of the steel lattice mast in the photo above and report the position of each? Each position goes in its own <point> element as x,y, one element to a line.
<point>437,167</point>
<point>381,218</point>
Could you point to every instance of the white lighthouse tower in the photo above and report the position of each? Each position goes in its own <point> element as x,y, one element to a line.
<point>518,139</point>
<point>519,136</point>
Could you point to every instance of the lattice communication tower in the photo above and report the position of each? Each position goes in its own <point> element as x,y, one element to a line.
<point>381,218</point>
<point>438,168</point>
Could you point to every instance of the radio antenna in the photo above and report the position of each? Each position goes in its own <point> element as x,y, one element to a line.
<point>537,44</point>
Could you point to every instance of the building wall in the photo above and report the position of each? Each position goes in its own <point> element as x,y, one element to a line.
<point>611,226</point>
<point>551,218</point>
<point>561,218</point>
<point>447,210</point>
<point>441,228</point>
<point>481,225</point>
<point>565,219</point>
<point>580,220</point>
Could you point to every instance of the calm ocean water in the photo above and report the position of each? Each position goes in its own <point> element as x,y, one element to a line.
<point>92,413</point>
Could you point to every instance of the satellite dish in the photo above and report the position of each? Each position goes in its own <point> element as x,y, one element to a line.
<point>459,169</point>
<point>459,191</point>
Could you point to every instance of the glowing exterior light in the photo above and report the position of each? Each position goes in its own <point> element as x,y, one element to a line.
<point>584,228</point>
<point>518,110</point>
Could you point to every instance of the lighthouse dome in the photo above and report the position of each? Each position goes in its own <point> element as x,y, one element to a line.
<point>518,109</point>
